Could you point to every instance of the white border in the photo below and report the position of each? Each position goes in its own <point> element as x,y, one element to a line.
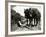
<point>26,32</point>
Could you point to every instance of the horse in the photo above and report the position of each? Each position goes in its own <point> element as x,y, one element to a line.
<point>26,11</point>
<point>37,16</point>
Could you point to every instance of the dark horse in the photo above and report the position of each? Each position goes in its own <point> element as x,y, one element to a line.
<point>37,16</point>
<point>26,11</point>
<point>31,14</point>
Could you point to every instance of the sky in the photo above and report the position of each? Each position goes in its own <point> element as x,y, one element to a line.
<point>20,9</point>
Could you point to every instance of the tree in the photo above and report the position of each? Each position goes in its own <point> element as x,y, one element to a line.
<point>15,17</point>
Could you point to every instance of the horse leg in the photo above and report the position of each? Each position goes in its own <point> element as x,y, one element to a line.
<point>34,21</point>
<point>39,21</point>
<point>30,21</point>
<point>27,22</point>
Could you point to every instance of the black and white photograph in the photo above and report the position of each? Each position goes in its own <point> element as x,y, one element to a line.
<point>25,18</point>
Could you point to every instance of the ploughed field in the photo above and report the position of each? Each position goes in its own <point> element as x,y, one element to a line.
<point>27,28</point>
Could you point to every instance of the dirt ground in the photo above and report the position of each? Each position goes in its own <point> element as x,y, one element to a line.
<point>27,28</point>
